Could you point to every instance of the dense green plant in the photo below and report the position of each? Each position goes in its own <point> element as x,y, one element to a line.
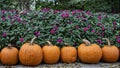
<point>58,26</point>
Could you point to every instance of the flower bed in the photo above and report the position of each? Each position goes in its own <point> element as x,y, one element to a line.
<point>58,26</point>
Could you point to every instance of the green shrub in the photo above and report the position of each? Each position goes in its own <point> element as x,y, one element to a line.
<point>58,26</point>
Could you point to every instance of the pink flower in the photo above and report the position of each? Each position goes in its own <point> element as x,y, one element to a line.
<point>73,12</point>
<point>117,37</point>
<point>37,33</point>
<point>99,24</point>
<point>9,17</point>
<point>45,10</point>
<point>114,23</point>
<point>52,31</point>
<point>19,19</point>
<point>16,16</point>
<point>103,28</point>
<point>56,11</point>
<point>99,41</point>
<point>4,34</point>
<point>89,26</point>
<point>55,27</point>
<point>3,11</point>
<point>21,39</point>
<point>93,31</point>
<point>3,18</point>
<point>99,17</point>
<point>118,40</point>
<point>78,16</point>
<point>102,34</point>
<point>85,29</point>
<point>59,40</point>
<point>76,26</point>
<point>88,12</point>
<point>65,15</point>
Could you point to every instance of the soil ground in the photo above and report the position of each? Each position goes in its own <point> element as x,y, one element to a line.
<point>71,65</point>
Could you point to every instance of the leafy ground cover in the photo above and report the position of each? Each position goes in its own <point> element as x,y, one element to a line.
<point>58,26</point>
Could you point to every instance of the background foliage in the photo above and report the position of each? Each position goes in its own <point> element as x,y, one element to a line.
<point>91,5</point>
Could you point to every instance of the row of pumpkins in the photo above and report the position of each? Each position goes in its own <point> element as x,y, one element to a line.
<point>32,54</point>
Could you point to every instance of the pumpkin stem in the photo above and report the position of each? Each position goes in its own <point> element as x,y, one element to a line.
<point>31,42</point>
<point>9,46</point>
<point>107,41</point>
<point>86,42</point>
<point>49,43</point>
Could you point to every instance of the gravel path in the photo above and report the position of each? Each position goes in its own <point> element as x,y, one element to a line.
<point>71,65</point>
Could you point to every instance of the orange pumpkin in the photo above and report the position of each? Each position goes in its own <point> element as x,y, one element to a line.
<point>9,55</point>
<point>30,54</point>
<point>51,53</point>
<point>110,53</point>
<point>68,54</point>
<point>89,53</point>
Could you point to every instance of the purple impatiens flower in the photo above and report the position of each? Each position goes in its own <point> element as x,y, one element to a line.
<point>85,29</point>
<point>21,39</point>
<point>45,9</point>
<point>4,34</point>
<point>99,41</point>
<point>99,24</point>
<point>3,18</point>
<point>37,33</point>
<point>103,34</point>
<point>55,27</point>
<point>89,26</point>
<point>65,15</point>
<point>118,40</point>
<point>56,11</point>
<point>99,17</point>
<point>17,18</point>
<point>76,26</point>
<point>3,11</point>
<point>117,37</point>
<point>114,23</point>
<point>52,31</point>
<point>59,40</point>
<point>93,31</point>
<point>9,17</point>
<point>103,28</point>
<point>88,12</point>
